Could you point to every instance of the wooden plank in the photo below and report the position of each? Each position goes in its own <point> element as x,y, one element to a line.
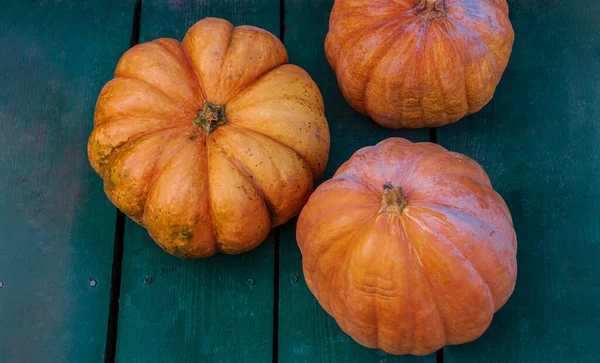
<point>306,332</point>
<point>214,310</point>
<point>538,140</point>
<point>56,225</point>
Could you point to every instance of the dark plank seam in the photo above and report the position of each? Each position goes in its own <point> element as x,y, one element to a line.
<point>439,356</point>
<point>278,230</point>
<point>276,298</point>
<point>115,289</point>
<point>282,20</point>
<point>433,135</point>
<point>117,267</point>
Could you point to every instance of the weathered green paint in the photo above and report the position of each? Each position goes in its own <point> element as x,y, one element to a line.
<point>538,140</point>
<point>306,332</point>
<point>56,225</point>
<point>214,310</point>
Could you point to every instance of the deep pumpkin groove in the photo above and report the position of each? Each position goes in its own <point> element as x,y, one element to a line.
<point>359,33</point>
<point>455,209</point>
<point>489,192</point>
<point>183,103</point>
<point>120,116</point>
<point>507,239</point>
<point>248,175</point>
<point>414,253</point>
<point>469,266</point>
<point>507,242</point>
<point>460,51</point>
<point>381,52</point>
<point>234,122</point>
<point>113,155</point>
<point>155,173</point>
<point>228,48</point>
<point>176,101</point>
<point>277,96</point>
<point>251,131</point>
<point>395,46</point>
<point>476,37</point>
<point>429,287</point>
<point>443,91</point>
<point>156,176</point>
<point>290,147</point>
<point>448,242</point>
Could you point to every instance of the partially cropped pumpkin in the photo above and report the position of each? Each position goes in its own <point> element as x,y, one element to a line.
<point>212,142</point>
<point>408,247</point>
<point>418,63</point>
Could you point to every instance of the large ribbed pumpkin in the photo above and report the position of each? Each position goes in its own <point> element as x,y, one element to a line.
<point>408,247</point>
<point>417,63</point>
<point>210,143</point>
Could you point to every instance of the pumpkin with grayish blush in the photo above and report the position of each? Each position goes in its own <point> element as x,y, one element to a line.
<point>409,247</point>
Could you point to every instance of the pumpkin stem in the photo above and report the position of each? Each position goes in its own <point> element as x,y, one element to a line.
<point>210,117</point>
<point>392,200</point>
<point>430,9</point>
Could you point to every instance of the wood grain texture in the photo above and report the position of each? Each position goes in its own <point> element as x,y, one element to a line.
<point>56,225</point>
<point>218,309</point>
<point>306,332</point>
<point>538,140</point>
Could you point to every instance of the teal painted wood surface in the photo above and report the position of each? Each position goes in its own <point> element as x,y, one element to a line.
<point>306,332</point>
<point>214,310</point>
<point>538,139</point>
<point>56,225</point>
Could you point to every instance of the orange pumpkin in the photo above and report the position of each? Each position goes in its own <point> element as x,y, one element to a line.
<point>212,142</point>
<point>408,247</point>
<point>418,63</point>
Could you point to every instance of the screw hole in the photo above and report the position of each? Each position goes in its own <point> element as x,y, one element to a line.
<point>92,282</point>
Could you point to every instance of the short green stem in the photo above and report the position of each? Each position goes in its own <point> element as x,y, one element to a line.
<point>210,117</point>
<point>392,201</point>
<point>430,9</point>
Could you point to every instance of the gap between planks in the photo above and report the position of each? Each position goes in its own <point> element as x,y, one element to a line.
<point>276,253</point>
<point>117,267</point>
